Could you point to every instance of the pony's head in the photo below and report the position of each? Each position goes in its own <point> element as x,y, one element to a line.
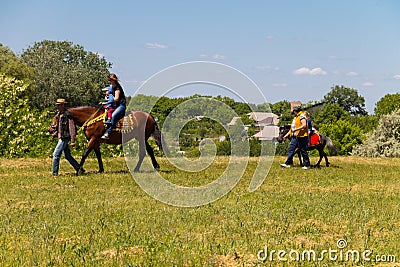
<point>283,130</point>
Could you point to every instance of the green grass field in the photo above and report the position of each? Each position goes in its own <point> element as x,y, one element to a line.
<point>107,220</point>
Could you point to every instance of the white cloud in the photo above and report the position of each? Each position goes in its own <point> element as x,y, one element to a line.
<point>203,56</point>
<point>156,45</point>
<point>352,74</point>
<point>270,37</point>
<point>397,77</point>
<point>217,56</point>
<point>314,71</point>
<point>367,84</point>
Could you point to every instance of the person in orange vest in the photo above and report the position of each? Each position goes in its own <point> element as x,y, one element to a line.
<point>299,138</point>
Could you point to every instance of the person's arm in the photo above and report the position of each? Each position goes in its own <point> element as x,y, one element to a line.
<point>303,125</point>
<point>288,134</point>
<point>117,93</point>
<point>53,127</point>
<point>72,131</point>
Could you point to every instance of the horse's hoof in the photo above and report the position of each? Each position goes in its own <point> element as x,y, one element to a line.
<point>101,171</point>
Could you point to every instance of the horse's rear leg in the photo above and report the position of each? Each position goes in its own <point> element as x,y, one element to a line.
<point>150,151</point>
<point>321,154</point>
<point>142,154</point>
<point>326,160</point>
<point>99,160</point>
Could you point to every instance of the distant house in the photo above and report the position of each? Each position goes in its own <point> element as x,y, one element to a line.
<point>262,119</point>
<point>266,125</point>
<point>268,133</point>
<point>233,121</point>
<point>294,104</point>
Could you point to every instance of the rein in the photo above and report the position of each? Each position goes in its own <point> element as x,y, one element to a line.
<point>88,120</point>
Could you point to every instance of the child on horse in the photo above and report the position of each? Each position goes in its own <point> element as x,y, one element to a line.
<point>109,104</point>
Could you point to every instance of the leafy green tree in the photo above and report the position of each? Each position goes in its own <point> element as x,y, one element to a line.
<point>365,123</point>
<point>264,107</point>
<point>387,104</point>
<point>343,134</point>
<point>348,98</point>
<point>242,108</point>
<point>23,129</point>
<point>282,109</point>
<point>65,70</point>
<point>330,114</point>
<point>13,66</point>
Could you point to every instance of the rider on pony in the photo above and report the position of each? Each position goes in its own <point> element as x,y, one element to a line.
<point>313,136</point>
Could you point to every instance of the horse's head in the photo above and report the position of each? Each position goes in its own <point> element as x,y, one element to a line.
<point>283,130</point>
<point>85,113</point>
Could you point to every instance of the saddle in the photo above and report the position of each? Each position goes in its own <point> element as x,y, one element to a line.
<point>124,125</point>
<point>315,139</point>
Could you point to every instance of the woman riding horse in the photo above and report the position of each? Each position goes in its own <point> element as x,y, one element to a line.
<point>138,124</point>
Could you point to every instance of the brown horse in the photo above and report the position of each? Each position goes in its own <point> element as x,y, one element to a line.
<point>138,124</point>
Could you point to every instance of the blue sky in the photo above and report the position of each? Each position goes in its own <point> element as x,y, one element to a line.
<point>293,50</point>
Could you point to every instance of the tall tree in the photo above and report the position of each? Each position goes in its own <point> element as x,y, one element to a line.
<point>330,114</point>
<point>387,104</point>
<point>11,65</point>
<point>65,70</point>
<point>348,99</point>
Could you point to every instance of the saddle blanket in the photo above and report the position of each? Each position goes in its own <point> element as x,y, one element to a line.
<point>124,125</point>
<point>314,139</point>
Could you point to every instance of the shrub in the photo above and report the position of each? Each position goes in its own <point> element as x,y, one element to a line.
<point>383,141</point>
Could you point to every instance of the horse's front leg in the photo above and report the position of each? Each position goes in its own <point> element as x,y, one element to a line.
<point>299,155</point>
<point>142,154</point>
<point>86,153</point>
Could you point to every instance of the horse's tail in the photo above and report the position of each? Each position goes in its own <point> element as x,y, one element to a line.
<point>157,136</point>
<point>330,145</point>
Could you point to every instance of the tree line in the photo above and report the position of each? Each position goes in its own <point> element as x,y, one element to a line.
<point>32,81</point>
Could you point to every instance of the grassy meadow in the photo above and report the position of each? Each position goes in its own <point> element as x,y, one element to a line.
<point>107,220</point>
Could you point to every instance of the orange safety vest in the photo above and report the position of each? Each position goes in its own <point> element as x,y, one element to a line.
<point>296,123</point>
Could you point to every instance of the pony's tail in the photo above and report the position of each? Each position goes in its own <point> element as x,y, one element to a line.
<point>330,145</point>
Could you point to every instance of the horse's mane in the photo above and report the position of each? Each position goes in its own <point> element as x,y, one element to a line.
<point>83,107</point>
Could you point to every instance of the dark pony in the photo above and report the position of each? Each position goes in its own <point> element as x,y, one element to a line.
<point>138,124</point>
<point>324,141</point>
